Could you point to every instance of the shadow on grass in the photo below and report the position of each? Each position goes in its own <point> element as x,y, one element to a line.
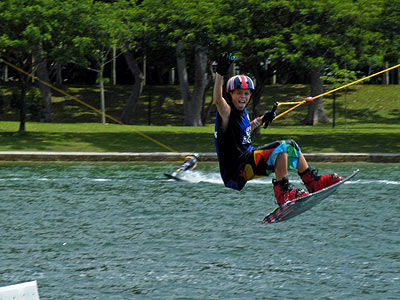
<point>105,142</point>
<point>342,142</point>
<point>189,142</point>
<point>365,104</point>
<point>366,115</point>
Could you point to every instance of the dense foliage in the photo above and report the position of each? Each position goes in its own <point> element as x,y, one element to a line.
<point>307,40</point>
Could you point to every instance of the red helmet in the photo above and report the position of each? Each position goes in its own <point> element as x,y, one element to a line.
<point>241,82</point>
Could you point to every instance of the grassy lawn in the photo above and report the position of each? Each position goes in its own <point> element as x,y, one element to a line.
<point>94,137</point>
<point>367,120</point>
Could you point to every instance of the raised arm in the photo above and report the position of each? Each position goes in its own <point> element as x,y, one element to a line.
<point>224,110</point>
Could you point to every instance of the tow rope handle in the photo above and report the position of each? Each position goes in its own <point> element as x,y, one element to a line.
<point>271,113</point>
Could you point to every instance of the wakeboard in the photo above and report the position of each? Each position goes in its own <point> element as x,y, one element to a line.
<point>172,176</point>
<point>293,208</point>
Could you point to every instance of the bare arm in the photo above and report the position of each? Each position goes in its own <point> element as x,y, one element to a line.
<point>257,122</point>
<point>223,107</point>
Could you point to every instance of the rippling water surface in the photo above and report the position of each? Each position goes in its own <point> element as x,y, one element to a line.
<point>123,231</point>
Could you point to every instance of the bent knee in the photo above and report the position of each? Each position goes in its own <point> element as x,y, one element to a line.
<point>293,143</point>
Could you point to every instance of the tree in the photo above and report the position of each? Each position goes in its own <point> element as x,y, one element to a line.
<point>40,31</point>
<point>23,40</point>
<point>188,27</point>
<point>260,47</point>
<point>133,34</point>
<point>302,36</point>
<point>315,38</point>
<point>331,34</point>
<point>91,43</point>
<point>388,23</point>
<point>145,39</point>
<point>192,37</point>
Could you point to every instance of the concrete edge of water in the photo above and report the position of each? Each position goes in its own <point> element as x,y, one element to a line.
<point>178,156</point>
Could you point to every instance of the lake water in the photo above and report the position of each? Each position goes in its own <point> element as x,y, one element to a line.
<point>123,231</point>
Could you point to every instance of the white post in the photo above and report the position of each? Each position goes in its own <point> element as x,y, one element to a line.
<point>172,76</point>
<point>22,291</point>
<point>5,74</point>
<point>114,65</point>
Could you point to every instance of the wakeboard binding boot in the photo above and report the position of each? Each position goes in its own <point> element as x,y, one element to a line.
<point>285,191</point>
<point>314,182</point>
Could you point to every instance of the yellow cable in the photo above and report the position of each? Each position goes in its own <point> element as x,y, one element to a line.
<point>289,103</point>
<point>289,110</point>
<point>354,82</point>
<point>297,104</point>
<point>87,105</point>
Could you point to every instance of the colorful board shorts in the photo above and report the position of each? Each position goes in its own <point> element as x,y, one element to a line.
<point>261,162</point>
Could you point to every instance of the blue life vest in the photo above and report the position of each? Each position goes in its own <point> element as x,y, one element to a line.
<point>231,145</point>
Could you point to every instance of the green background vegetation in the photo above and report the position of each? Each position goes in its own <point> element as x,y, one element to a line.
<point>310,42</point>
<point>367,120</point>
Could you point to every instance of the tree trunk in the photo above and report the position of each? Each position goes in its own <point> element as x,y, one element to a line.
<point>385,75</point>
<point>398,75</point>
<point>316,111</point>
<point>261,79</point>
<point>192,108</point>
<point>5,73</point>
<point>102,97</point>
<point>133,99</point>
<point>114,66</point>
<point>192,104</point>
<point>43,74</point>
<point>256,97</point>
<point>45,91</point>
<point>59,78</point>
<point>22,105</point>
<point>182,72</point>
<point>205,111</point>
